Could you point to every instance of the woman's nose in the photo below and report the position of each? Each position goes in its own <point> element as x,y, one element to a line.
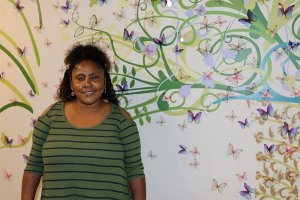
<point>87,82</point>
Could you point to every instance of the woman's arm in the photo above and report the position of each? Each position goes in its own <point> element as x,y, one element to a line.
<point>138,188</point>
<point>30,183</point>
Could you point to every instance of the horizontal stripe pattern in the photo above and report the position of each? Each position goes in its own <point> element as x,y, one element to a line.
<point>85,163</point>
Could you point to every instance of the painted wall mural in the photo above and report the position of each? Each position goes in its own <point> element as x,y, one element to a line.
<point>213,85</point>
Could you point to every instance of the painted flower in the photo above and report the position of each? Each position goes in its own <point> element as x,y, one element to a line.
<point>185,91</point>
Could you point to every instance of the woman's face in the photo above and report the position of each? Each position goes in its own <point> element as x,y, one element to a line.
<point>88,82</point>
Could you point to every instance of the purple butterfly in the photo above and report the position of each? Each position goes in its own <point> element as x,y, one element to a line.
<point>25,157</point>
<point>183,149</point>
<point>269,149</point>
<point>18,5</point>
<point>122,88</point>
<point>287,12</point>
<point>293,45</point>
<point>177,50</point>
<point>160,41</point>
<point>166,2</point>
<point>244,123</point>
<point>66,7</point>
<point>127,35</point>
<point>196,118</point>
<point>31,93</point>
<point>7,141</point>
<point>2,75</point>
<point>101,2</point>
<point>291,132</point>
<point>264,113</point>
<point>246,193</point>
<point>250,18</point>
<point>22,51</point>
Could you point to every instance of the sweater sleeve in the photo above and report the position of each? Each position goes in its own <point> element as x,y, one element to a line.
<point>130,140</point>
<point>40,132</point>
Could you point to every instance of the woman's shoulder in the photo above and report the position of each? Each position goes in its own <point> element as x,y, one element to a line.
<point>50,108</point>
<point>123,112</point>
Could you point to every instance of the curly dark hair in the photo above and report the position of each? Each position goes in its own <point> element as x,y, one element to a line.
<point>77,54</point>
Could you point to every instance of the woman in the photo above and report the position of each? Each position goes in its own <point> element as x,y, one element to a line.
<point>85,146</point>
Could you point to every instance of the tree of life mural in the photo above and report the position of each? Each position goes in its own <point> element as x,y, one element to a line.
<point>190,58</point>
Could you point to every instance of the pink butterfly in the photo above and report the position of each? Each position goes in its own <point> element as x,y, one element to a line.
<point>7,175</point>
<point>247,192</point>
<point>22,140</point>
<point>278,54</point>
<point>265,113</point>
<point>206,50</point>
<point>242,177</point>
<point>285,149</point>
<point>216,186</point>
<point>239,46</point>
<point>220,22</point>
<point>47,43</point>
<point>244,123</point>
<point>265,94</point>
<point>195,152</point>
<point>205,24</point>
<point>18,5</point>
<point>235,78</point>
<point>234,152</point>
<point>226,96</point>
<point>196,118</point>
<point>120,15</point>
<point>182,126</point>
<point>195,164</point>
<point>295,92</point>
<point>38,28</point>
<point>231,116</point>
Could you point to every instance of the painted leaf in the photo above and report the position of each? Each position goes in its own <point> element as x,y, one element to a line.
<point>79,31</point>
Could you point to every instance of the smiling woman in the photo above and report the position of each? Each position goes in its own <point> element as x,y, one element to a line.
<point>85,145</point>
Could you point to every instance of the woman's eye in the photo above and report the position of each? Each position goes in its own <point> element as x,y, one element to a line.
<point>94,78</point>
<point>80,78</point>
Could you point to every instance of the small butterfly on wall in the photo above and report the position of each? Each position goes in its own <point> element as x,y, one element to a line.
<point>218,187</point>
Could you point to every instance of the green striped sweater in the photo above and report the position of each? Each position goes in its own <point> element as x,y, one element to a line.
<point>85,163</point>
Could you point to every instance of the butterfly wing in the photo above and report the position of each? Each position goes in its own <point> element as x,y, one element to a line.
<point>245,22</point>
<point>263,114</point>
<point>182,149</point>
<point>251,16</point>
<point>284,129</point>
<point>237,153</point>
<point>197,117</point>
<point>289,11</point>
<point>230,150</point>
<point>292,132</point>
<point>214,185</point>
<point>221,187</point>
<point>245,194</point>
